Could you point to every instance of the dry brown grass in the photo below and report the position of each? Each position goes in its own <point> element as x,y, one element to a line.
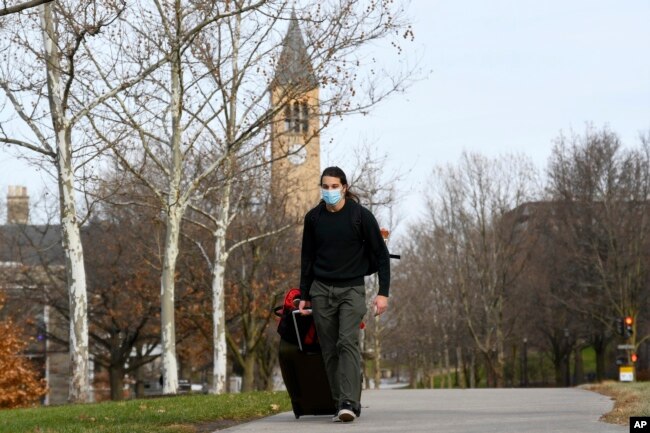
<point>630,399</point>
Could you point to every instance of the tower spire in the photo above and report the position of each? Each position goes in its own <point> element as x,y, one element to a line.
<point>294,67</point>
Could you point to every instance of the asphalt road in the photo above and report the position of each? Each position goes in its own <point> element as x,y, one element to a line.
<point>562,410</point>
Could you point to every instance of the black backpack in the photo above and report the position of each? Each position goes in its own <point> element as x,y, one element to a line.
<point>373,267</point>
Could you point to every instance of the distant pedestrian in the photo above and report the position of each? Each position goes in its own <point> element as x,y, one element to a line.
<point>341,241</point>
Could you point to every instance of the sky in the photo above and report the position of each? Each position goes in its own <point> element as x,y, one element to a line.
<point>504,76</point>
<point>507,77</point>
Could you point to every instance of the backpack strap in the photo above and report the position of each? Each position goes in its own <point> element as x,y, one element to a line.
<point>356,219</point>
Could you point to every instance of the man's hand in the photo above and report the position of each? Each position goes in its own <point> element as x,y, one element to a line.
<point>380,304</point>
<point>302,307</point>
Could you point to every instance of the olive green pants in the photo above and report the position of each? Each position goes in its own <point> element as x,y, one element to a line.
<point>338,312</point>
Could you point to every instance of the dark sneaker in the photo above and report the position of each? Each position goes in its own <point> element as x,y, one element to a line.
<point>347,412</point>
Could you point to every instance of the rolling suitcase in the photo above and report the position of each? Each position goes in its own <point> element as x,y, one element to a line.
<point>304,376</point>
<point>301,362</point>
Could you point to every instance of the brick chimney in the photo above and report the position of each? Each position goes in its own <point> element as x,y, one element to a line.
<point>17,205</point>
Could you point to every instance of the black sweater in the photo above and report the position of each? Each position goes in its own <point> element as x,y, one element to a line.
<point>336,253</point>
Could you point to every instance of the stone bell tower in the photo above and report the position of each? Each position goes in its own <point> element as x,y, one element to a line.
<point>295,131</point>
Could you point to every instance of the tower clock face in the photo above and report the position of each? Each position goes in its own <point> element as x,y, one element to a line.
<point>297,154</point>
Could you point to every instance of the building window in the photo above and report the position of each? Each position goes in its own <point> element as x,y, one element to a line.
<point>305,117</point>
<point>296,117</point>
<point>287,117</point>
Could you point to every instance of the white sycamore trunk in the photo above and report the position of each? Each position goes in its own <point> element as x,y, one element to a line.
<point>175,209</point>
<point>79,390</point>
<point>219,357</point>
<point>76,278</point>
<point>219,317</point>
<point>167,321</point>
<point>218,296</point>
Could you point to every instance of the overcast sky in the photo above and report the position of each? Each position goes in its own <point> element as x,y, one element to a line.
<point>507,76</point>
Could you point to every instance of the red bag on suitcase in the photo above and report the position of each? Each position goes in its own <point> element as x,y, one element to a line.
<point>293,324</point>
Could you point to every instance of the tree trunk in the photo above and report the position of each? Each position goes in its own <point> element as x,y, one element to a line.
<point>448,369</point>
<point>269,384</point>
<point>248,377</point>
<point>559,371</point>
<point>139,383</point>
<point>472,370</point>
<point>600,349</point>
<point>79,390</point>
<point>376,340</point>
<point>218,323</point>
<point>363,348</point>
<point>176,204</point>
<point>579,368</point>
<point>489,370</point>
<point>219,350</point>
<point>412,374</point>
<point>167,321</point>
<point>500,364</point>
<point>116,378</point>
<point>461,367</point>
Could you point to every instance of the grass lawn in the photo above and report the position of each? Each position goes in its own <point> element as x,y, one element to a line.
<point>631,399</point>
<point>183,414</point>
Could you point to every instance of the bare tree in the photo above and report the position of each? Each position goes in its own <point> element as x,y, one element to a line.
<point>123,304</point>
<point>210,105</point>
<point>601,193</point>
<point>7,9</point>
<point>380,193</point>
<point>216,215</point>
<point>47,90</point>
<point>170,145</point>
<point>472,205</point>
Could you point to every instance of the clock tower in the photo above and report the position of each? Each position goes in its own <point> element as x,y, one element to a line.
<point>295,129</point>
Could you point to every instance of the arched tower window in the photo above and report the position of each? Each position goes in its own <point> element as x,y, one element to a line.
<point>305,117</point>
<point>287,118</point>
<point>296,117</point>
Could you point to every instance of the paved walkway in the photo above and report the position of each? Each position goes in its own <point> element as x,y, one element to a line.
<point>562,410</point>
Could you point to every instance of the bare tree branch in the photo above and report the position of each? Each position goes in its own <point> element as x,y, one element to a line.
<point>22,6</point>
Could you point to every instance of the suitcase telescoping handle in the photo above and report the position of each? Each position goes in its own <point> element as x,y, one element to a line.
<point>294,314</point>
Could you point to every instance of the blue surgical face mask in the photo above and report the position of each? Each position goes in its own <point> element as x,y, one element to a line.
<point>331,196</point>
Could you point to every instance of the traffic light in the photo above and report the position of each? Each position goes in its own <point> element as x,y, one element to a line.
<point>620,326</point>
<point>629,328</point>
<point>634,358</point>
